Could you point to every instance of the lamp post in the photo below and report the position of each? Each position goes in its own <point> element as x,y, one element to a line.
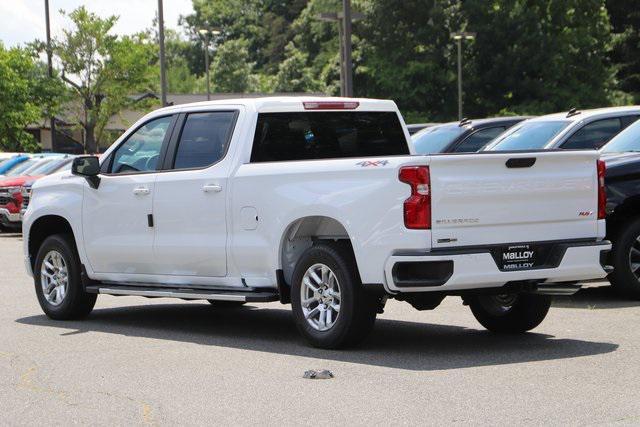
<point>52,119</point>
<point>207,34</point>
<point>458,37</point>
<point>163,71</point>
<point>346,66</point>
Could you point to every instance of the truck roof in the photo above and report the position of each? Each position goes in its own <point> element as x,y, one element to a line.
<point>290,104</point>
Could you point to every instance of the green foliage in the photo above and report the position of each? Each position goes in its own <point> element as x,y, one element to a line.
<point>27,96</point>
<point>102,70</point>
<point>625,55</point>
<point>545,56</point>
<point>406,54</point>
<point>231,68</point>
<point>293,73</point>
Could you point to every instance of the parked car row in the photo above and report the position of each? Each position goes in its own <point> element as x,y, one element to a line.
<point>19,171</point>
<point>613,131</point>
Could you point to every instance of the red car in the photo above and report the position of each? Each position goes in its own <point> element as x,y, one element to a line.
<point>11,189</point>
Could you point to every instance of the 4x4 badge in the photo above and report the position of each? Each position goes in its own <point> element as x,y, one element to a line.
<point>374,163</point>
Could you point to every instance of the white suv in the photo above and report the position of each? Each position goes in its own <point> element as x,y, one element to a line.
<point>575,129</point>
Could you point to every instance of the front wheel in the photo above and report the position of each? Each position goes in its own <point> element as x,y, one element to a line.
<point>330,308</point>
<point>57,280</point>
<point>510,313</point>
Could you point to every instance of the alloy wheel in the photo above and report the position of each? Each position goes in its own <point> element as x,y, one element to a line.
<point>320,297</point>
<point>54,278</point>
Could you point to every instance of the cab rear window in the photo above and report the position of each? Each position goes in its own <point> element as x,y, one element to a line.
<point>327,135</point>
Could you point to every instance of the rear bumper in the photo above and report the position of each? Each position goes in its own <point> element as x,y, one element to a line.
<point>9,218</point>
<point>475,268</point>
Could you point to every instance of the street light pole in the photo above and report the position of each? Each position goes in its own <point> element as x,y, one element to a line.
<point>348,64</point>
<point>163,71</point>
<point>459,79</point>
<point>207,34</point>
<point>458,37</point>
<point>52,119</point>
<point>346,80</point>
<point>206,66</point>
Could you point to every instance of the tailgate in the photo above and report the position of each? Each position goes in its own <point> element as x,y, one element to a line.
<point>481,199</point>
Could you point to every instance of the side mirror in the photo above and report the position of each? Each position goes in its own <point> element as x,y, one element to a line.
<point>87,167</point>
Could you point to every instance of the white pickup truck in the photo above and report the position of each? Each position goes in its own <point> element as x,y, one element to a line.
<point>318,202</point>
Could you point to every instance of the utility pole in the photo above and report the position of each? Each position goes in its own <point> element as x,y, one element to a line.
<point>52,119</point>
<point>458,37</point>
<point>346,33</point>
<point>207,34</point>
<point>163,71</point>
<point>346,66</point>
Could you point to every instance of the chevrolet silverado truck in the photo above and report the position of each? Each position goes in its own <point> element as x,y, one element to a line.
<point>319,202</point>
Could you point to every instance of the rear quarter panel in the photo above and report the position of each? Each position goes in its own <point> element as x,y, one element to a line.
<point>364,195</point>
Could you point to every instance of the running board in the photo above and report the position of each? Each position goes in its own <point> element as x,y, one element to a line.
<point>186,293</point>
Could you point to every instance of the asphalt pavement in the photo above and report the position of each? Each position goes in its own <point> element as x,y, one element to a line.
<point>139,361</point>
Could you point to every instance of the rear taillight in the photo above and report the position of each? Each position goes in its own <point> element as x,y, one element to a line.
<point>417,208</point>
<point>602,192</point>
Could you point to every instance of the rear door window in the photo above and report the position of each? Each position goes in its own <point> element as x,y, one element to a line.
<point>593,135</point>
<point>204,139</point>
<point>479,139</point>
<point>327,135</point>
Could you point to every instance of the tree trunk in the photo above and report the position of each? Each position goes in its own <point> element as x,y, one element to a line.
<point>90,145</point>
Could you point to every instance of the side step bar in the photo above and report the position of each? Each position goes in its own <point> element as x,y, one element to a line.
<point>251,295</point>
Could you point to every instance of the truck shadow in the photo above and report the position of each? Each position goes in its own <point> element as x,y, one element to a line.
<point>595,298</point>
<point>393,343</point>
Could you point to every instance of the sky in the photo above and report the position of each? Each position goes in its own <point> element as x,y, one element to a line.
<point>22,21</point>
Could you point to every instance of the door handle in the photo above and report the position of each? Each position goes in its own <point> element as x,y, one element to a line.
<point>211,188</point>
<point>141,191</point>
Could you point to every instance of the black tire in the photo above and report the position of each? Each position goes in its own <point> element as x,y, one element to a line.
<point>357,307</point>
<point>624,238</point>
<point>77,303</point>
<point>226,304</point>
<point>510,314</point>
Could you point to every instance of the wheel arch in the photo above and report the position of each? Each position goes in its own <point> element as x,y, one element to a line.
<point>43,227</point>
<point>301,234</point>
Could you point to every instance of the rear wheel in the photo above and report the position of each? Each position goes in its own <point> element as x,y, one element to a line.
<point>625,256</point>
<point>57,280</point>
<point>330,308</point>
<point>510,313</point>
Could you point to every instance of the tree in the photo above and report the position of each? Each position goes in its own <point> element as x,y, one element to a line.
<point>231,68</point>
<point>27,95</point>
<point>404,52</point>
<point>102,69</point>
<point>625,55</point>
<point>536,57</point>
<point>293,73</point>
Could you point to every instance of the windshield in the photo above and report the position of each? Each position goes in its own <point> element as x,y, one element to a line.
<point>435,139</point>
<point>626,141</point>
<point>530,135</point>
<point>18,169</point>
